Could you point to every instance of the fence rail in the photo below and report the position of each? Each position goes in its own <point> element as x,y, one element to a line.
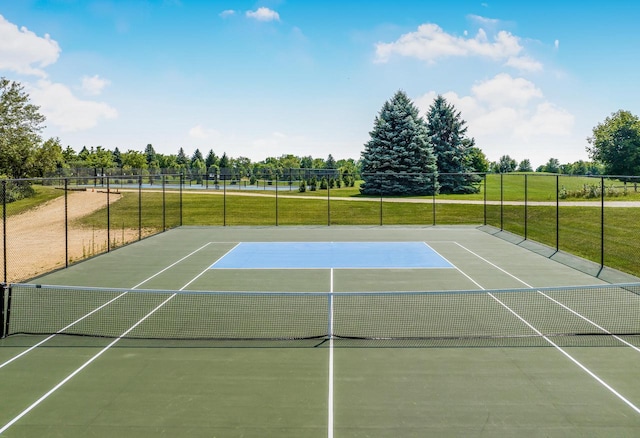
<point>64,220</point>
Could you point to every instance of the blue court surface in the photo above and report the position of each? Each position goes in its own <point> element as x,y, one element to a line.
<point>329,255</point>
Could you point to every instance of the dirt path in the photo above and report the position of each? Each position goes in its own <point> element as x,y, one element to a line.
<point>36,238</point>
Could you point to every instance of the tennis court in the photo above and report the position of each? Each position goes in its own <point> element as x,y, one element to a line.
<point>321,331</point>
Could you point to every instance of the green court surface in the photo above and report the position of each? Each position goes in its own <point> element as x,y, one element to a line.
<point>329,386</point>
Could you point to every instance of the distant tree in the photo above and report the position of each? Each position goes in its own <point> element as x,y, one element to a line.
<point>168,161</point>
<point>48,158</point>
<point>69,155</point>
<point>117,157</point>
<point>181,158</point>
<point>506,164</point>
<point>447,134</point>
<point>525,166</point>
<point>552,166</point>
<point>224,165</point>
<point>330,162</point>
<point>20,126</point>
<point>197,156</point>
<point>306,162</point>
<point>211,160</point>
<point>100,158</point>
<point>399,159</point>
<point>133,160</point>
<point>150,155</point>
<point>84,153</point>
<point>616,144</point>
<point>478,160</point>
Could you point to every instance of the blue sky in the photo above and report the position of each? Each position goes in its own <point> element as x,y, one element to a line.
<point>307,77</point>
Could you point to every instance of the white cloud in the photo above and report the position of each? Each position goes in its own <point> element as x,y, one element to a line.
<point>430,43</point>
<point>556,44</point>
<point>22,51</point>
<point>504,90</point>
<point>484,21</point>
<point>66,111</point>
<point>227,13</point>
<point>264,14</point>
<point>510,116</point>
<point>94,85</point>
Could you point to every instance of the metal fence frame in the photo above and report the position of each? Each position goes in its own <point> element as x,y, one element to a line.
<point>227,184</point>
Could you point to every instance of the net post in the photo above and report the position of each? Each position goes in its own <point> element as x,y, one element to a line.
<point>2,312</point>
<point>330,315</point>
<point>5,309</point>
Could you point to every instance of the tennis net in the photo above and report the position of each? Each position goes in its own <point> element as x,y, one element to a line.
<point>604,314</point>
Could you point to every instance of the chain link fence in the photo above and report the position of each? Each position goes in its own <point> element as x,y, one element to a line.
<point>52,223</point>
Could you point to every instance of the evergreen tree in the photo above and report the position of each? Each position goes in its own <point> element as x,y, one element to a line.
<point>182,159</point>
<point>197,156</point>
<point>399,159</point>
<point>150,155</point>
<point>446,132</point>
<point>211,159</point>
<point>117,157</point>
<point>330,163</point>
<point>224,165</point>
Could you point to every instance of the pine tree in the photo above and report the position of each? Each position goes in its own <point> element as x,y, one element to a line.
<point>211,159</point>
<point>399,160</point>
<point>446,133</point>
<point>150,155</point>
<point>117,157</point>
<point>182,159</point>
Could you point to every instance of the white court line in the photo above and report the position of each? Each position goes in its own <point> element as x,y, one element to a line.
<point>99,308</point>
<point>571,358</point>
<point>593,323</point>
<point>84,365</point>
<point>330,402</point>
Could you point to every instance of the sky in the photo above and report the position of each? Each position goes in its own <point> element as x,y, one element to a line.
<point>308,77</point>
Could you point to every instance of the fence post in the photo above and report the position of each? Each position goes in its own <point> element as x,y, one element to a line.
<point>3,286</point>
<point>328,204</point>
<point>181,181</point>
<point>276,199</point>
<point>381,206</point>
<point>434,176</point>
<point>557,213</point>
<point>108,216</point>
<point>4,228</point>
<point>526,204</point>
<point>224,202</point>
<point>164,203</point>
<point>485,199</point>
<point>601,223</point>
<point>139,207</point>
<point>66,223</point>
<point>501,201</point>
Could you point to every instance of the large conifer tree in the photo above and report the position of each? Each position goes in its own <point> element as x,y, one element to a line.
<point>399,160</point>
<point>446,131</point>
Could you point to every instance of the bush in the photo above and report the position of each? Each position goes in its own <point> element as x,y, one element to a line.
<point>17,190</point>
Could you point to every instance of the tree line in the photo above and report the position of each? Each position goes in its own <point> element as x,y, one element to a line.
<point>401,142</point>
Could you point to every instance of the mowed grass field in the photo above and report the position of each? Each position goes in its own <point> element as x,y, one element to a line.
<point>578,229</point>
